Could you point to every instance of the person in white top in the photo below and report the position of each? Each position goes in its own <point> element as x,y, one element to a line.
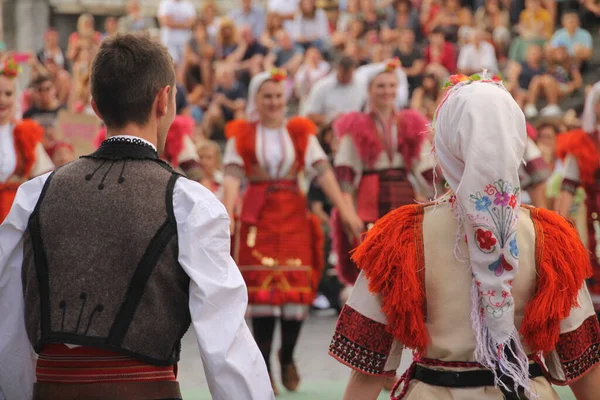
<point>176,18</point>
<point>477,55</point>
<point>278,243</point>
<point>106,262</point>
<point>310,26</point>
<point>336,94</point>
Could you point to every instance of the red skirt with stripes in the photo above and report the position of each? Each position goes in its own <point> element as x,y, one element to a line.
<point>279,245</point>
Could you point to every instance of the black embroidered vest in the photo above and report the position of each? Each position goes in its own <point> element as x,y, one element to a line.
<point>101,256</point>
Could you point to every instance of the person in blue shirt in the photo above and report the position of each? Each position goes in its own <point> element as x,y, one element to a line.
<point>578,41</point>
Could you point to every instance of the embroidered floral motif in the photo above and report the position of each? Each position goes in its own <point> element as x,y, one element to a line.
<point>514,249</point>
<point>496,223</point>
<point>499,266</point>
<point>486,240</point>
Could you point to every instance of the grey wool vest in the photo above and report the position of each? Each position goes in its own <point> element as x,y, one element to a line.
<point>100,261</point>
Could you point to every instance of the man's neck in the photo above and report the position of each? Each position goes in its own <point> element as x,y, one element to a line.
<point>147,133</point>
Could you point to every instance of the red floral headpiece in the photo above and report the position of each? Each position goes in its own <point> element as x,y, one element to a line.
<point>393,65</point>
<point>10,68</point>
<point>278,74</point>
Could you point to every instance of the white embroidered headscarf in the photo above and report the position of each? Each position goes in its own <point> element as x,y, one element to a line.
<point>480,139</point>
<point>256,82</point>
<point>369,72</point>
<point>589,119</point>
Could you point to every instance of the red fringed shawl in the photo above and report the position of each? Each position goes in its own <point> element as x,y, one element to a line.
<point>582,147</point>
<point>244,132</point>
<point>412,129</point>
<point>392,258</point>
<point>563,264</point>
<point>28,134</point>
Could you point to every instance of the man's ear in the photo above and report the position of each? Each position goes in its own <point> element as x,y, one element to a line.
<point>162,101</point>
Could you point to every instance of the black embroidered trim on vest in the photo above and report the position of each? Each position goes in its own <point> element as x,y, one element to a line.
<point>115,149</point>
<point>41,262</point>
<point>143,271</point>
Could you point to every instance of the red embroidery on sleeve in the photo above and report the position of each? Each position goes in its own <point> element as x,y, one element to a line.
<point>579,350</point>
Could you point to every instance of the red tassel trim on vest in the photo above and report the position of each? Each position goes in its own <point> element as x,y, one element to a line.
<point>28,134</point>
<point>563,264</point>
<point>582,147</point>
<point>244,132</point>
<point>392,257</point>
<point>57,363</point>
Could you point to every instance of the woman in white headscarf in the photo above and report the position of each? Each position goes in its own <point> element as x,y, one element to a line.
<point>278,244</point>
<point>579,150</point>
<point>383,159</point>
<point>477,285</point>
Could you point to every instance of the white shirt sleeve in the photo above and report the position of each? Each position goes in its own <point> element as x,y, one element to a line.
<point>17,362</point>
<point>43,163</point>
<point>231,155</point>
<point>232,362</point>
<point>314,154</point>
<point>322,24</point>
<point>163,9</point>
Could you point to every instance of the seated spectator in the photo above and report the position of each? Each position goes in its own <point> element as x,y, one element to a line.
<point>197,61</point>
<point>250,15</point>
<point>210,156</point>
<point>439,52</point>
<point>493,19</point>
<point>476,55</point>
<point>62,153</point>
<point>287,55</point>
<point>60,77</point>
<point>111,27</point>
<point>535,27</point>
<point>338,93</point>
<point>209,15</point>
<point>405,16</point>
<point>52,50</point>
<point>310,26</point>
<point>347,15</point>
<point>521,75</point>
<point>353,32</point>
<point>274,25</point>
<point>380,52</point>
<point>134,21</point>
<point>450,18</point>
<point>412,60</point>
<point>228,103</point>
<point>373,17</point>
<point>310,72</point>
<point>45,108</point>
<point>249,56</point>
<point>426,97</point>
<point>578,41</point>
<point>84,35</point>
<point>561,79</point>
<point>428,15</point>
<point>227,39</point>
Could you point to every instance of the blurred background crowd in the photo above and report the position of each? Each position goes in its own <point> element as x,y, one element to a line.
<point>542,49</point>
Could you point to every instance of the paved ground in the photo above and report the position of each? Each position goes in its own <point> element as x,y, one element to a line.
<point>323,378</point>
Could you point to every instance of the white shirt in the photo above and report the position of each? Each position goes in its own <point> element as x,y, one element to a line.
<point>330,98</point>
<point>318,27</point>
<point>179,11</point>
<point>8,158</point>
<point>283,7</point>
<point>233,364</point>
<point>477,59</point>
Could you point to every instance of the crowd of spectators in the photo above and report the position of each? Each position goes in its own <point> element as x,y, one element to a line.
<point>539,48</point>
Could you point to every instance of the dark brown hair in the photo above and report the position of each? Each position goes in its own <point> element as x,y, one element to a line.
<point>127,74</point>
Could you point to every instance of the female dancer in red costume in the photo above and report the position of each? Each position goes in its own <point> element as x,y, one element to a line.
<point>22,155</point>
<point>278,243</point>
<point>383,157</point>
